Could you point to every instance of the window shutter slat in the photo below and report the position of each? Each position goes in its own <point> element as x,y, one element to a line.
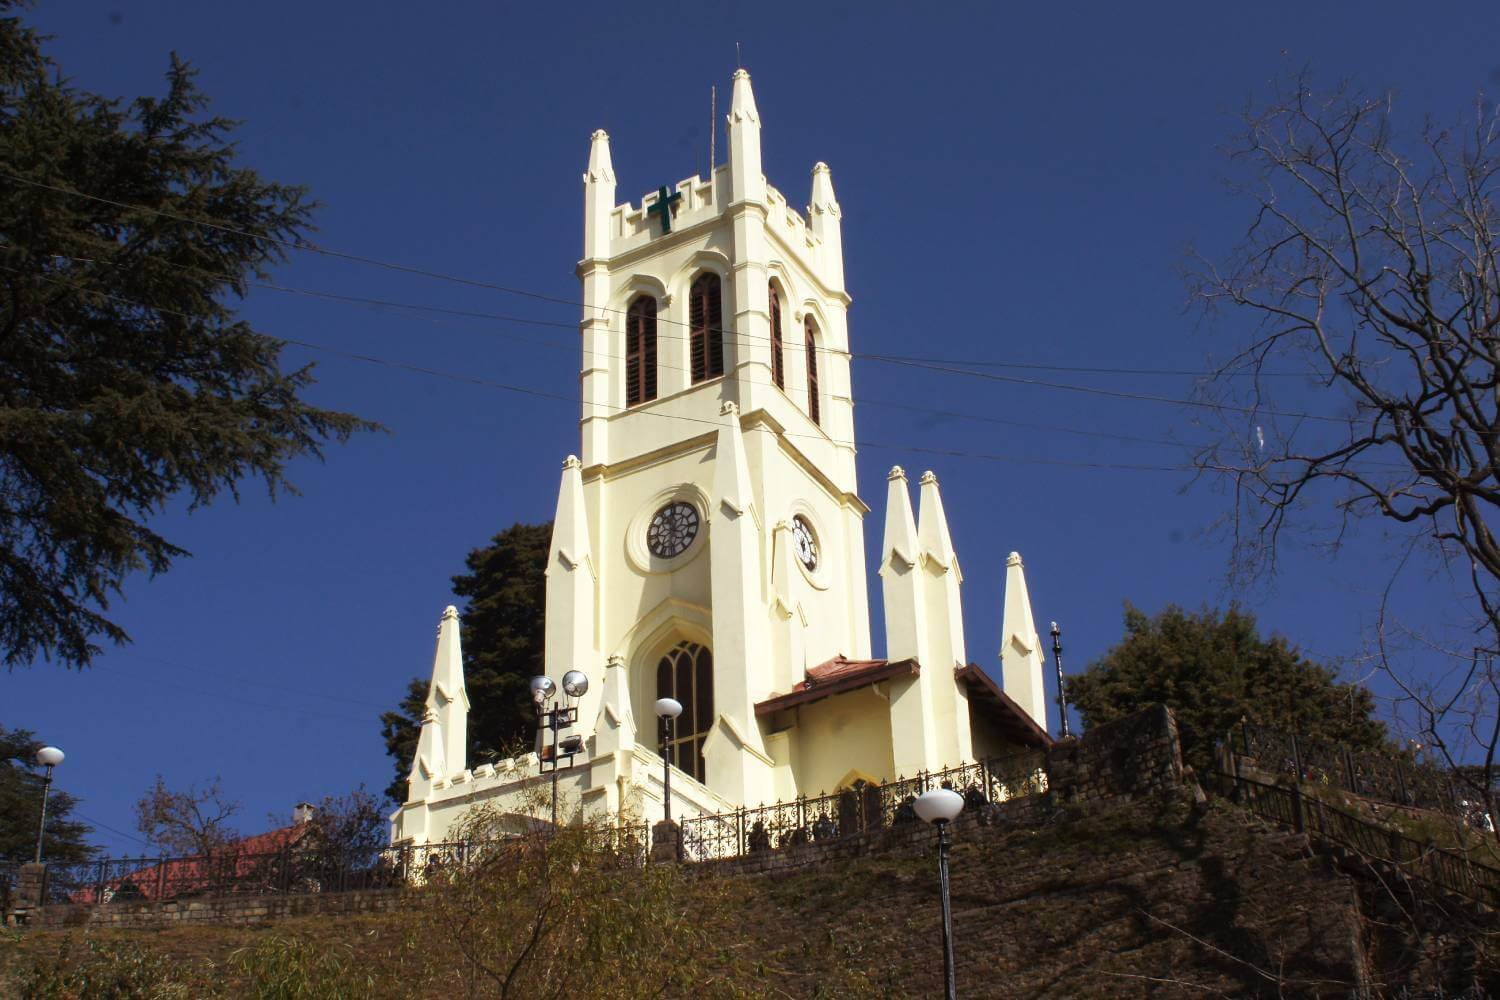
<point>778,372</point>
<point>705,319</point>
<point>640,351</point>
<point>812,373</point>
<point>716,328</point>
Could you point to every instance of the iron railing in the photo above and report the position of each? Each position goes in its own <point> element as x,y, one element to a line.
<point>857,809</point>
<point>1391,777</point>
<point>1452,870</point>
<point>291,871</point>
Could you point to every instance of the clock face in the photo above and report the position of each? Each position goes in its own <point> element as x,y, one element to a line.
<point>805,542</point>
<point>672,530</point>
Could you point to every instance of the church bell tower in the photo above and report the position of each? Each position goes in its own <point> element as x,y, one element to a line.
<point>709,539</point>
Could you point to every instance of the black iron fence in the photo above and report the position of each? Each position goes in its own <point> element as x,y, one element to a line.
<point>1452,870</point>
<point>291,871</point>
<point>1392,777</point>
<point>858,809</point>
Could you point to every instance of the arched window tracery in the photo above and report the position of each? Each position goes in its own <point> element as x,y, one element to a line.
<point>686,673</point>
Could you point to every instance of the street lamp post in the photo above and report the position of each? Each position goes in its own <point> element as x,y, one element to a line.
<point>560,717</point>
<point>667,709</point>
<point>48,757</point>
<point>1062,702</point>
<point>940,807</point>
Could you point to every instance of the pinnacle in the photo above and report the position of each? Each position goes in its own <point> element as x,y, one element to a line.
<point>742,105</point>
<point>822,189</point>
<point>601,166</point>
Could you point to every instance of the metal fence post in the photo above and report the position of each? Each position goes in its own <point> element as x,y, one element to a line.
<point>161,880</point>
<point>1401,783</point>
<point>1351,782</point>
<point>103,870</point>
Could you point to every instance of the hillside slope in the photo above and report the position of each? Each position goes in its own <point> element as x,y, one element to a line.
<point>1149,899</point>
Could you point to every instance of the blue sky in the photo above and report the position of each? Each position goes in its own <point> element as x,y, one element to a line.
<point>1019,184</point>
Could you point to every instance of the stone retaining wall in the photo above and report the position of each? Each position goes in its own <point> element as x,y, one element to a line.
<point>226,910</point>
<point>1127,759</point>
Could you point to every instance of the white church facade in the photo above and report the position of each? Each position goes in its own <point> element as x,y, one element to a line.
<point>708,544</point>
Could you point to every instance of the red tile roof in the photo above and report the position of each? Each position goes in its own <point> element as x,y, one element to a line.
<point>244,860</point>
<point>836,676</point>
<point>987,700</point>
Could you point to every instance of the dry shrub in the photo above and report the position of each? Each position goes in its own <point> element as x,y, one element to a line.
<point>571,912</point>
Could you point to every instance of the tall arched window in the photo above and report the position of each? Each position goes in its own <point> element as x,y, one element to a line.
<point>778,373</point>
<point>812,372</point>
<point>687,674</point>
<point>640,351</point>
<point>706,319</point>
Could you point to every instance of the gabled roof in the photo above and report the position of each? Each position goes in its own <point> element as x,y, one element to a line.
<point>836,676</point>
<point>987,700</point>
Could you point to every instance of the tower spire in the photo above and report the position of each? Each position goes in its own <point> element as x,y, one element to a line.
<point>1021,658</point>
<point>598,197</point>
<point>447,698</point>
<point>747,183</point>
<point>572,589</point>
<point>825,219</point>
<point>907,635</point>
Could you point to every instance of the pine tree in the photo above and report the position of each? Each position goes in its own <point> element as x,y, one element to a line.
<point>503,637</point>
<point>21,804</point>
<point>1212,669</point>
<point>126,381</point>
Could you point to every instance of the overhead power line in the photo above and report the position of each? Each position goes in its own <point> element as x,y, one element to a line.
<point>553,344</point>
<point>546,394</point>
<point>309,247</point>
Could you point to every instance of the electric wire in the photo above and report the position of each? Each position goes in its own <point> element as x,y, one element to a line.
<point>310,247</point>
<point>861,400</point>
<point>544,394</point>
<point>598,406</point>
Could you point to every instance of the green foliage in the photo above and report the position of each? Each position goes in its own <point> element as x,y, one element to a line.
<point>20,800</point>
<point>1213,669</point>
<point>503,635</point>
<point>289,968</point>
<point>126,232</point>
<point>123,971</point>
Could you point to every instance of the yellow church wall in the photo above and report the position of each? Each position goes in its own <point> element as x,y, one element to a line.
<point>989,743</point>
<point>846,733</point>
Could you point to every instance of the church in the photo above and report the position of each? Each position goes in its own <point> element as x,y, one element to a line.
<point>709,539</point>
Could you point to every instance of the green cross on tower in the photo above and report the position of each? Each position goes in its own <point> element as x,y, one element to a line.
<point>666,204</point>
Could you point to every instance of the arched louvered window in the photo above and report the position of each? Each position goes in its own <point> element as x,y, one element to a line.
<point>687,674</point>
<point>640,351</point>
<point>812,372</point>
<point>706,320</point>
<point>778,372</point>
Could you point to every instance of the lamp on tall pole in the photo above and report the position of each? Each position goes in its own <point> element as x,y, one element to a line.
<point>940,807</point>
<point>1062,702</point>
<point>667,709</point>
<point>48,757</point>
<point>575,683</point>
